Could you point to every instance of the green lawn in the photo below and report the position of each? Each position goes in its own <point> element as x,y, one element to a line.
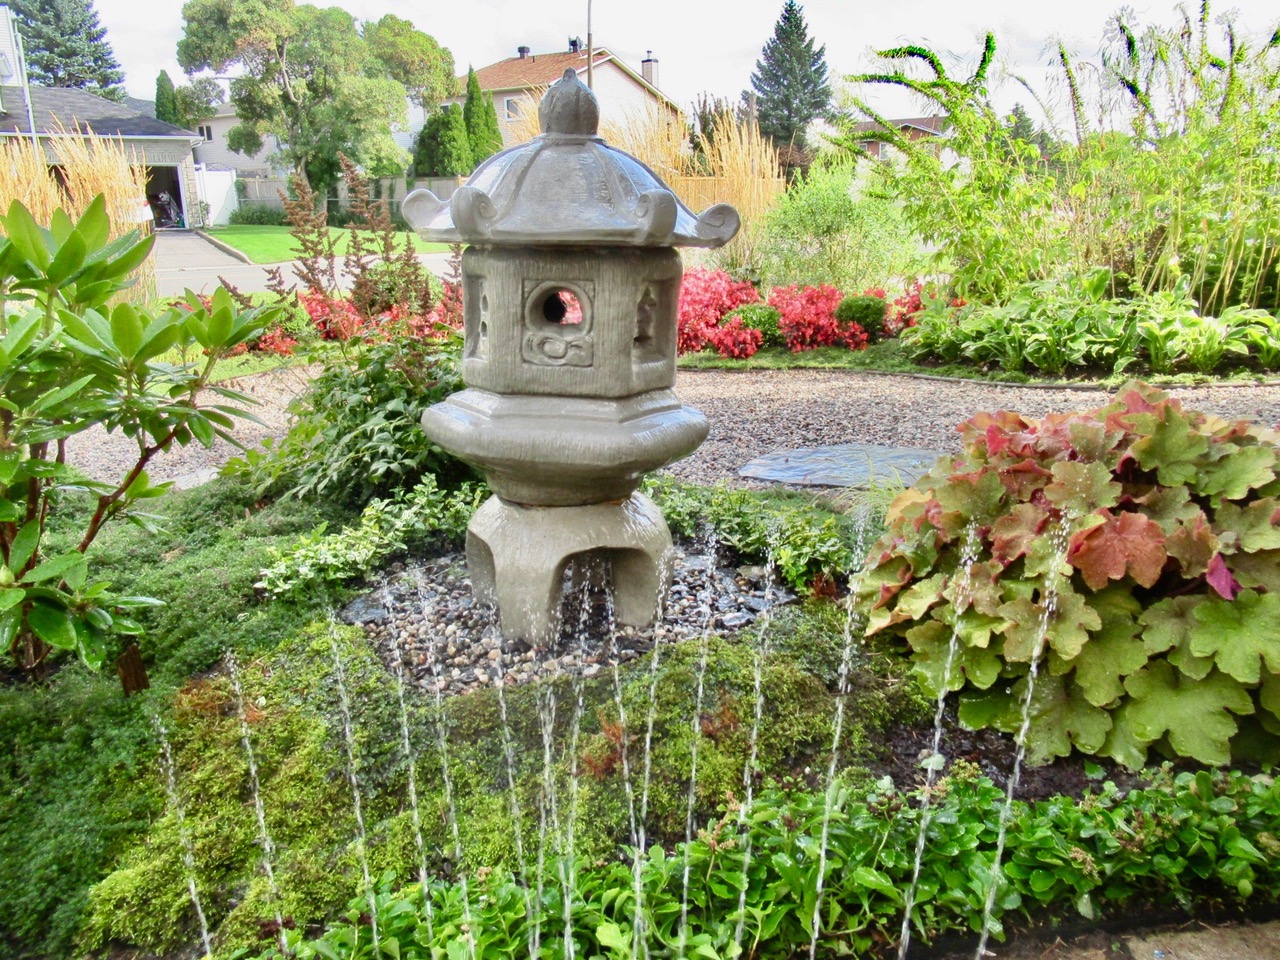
<point>276,244</point>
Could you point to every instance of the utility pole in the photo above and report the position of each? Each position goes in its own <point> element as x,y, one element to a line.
<point>591,50</point>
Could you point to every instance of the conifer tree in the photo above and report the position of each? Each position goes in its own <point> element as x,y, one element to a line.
<point>481,120</point>
<point>166,99</point>
<point>790,80</point>
<point>67,47</point>
<point>443,149</point>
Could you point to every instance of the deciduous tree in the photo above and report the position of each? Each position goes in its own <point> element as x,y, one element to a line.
<point>309,79</point>
<point>414,58</point>
<point>790,80</point>
<point>66,46</point>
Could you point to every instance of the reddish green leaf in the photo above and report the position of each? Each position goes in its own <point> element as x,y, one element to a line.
<point>1015,532</point>
<point>1125,544</point>
<point>1193,545</point>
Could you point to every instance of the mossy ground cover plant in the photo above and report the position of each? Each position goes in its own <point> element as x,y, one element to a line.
<point>1132,552</point>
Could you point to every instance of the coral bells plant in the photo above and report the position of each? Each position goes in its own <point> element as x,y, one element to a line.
<point>1131,551</point>
<point>705,297</point>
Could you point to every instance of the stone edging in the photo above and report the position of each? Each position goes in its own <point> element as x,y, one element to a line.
<point>224,247</point>
<point>1004,384</point>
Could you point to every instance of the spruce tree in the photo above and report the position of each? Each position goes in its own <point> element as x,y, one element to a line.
<point>481,120</point>
<point>790,80</point>
<point>67,46</point>
<point>166,100</point>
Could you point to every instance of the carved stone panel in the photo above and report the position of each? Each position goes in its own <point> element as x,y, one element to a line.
<point>558,323</point>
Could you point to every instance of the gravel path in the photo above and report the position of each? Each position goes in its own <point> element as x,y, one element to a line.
<point>750,413</point>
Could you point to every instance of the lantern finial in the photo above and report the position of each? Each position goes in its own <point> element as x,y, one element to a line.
<point>569,108</point>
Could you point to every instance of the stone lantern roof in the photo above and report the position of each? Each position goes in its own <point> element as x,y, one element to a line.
<point>567,187</point>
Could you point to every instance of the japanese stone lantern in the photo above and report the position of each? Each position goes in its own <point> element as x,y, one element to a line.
<point>570,284</point>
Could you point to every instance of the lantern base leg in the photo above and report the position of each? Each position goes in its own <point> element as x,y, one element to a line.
<point>517,556</point>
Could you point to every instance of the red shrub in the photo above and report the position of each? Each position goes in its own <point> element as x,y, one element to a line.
<point>735,340</point>
<point>705,297</point>
<point>333,317</point>
<point>854,337</point>
<point>276,340</point>
<point>808,316</point>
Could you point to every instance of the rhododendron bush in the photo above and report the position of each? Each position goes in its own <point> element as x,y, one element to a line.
<point>1131,551</point>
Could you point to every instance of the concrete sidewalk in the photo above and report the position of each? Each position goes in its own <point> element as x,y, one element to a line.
<point>185,260</point>
<point>1193,941</point>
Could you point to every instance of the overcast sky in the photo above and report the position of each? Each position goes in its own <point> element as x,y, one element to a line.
<point>701,45</point>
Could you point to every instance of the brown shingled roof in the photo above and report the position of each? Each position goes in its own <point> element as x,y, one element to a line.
<point>935,125</point>
<point>535,70</point>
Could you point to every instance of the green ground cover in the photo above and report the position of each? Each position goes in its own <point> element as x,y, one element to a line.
<point>276,244</point>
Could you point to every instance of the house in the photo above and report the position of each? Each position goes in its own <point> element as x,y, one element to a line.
<point>914,128</point>
<point>212,150</point>
<point>47,113</point>
<point>515,84</point>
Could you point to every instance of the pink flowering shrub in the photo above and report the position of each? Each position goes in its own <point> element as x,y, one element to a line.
<point>705,297</point>
<point>807,316</point>
<point>735,340</point>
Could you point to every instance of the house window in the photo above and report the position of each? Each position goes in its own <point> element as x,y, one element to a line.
<point>513,109</point>
<point>206,132</point>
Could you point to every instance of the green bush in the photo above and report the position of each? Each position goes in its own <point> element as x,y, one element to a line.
<point>357,433</point>
<point>1184,842</point>
<point>832,227</point>
<point>69,360</point>
<point>1129,551</point>
<point>257,215</point>
<point>866,310</point>
<point>762,317</point>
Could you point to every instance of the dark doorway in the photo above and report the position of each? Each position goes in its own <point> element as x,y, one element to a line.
<point>164,194</point>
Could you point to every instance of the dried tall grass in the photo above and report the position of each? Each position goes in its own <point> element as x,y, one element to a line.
<point>739,167</point>
<point>89,165</point>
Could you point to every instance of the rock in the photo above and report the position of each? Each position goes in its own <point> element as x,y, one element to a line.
<point>363,610</point>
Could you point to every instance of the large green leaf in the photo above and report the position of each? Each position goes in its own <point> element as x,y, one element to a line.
<point>1061,719</point>
<point>1065,628</point>
<point>1167,626</point>
<point>935,659</point>
<point>1241,635</point>
<point>1243,469</point>
<point>1173,449</point>
<point>1196,715</point>
<point>1112,653</point>
<point>1249,528</point>
<point>1080,488</point>
<point>52,624</point>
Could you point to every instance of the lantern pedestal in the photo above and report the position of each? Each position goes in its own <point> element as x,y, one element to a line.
<point>517,555</point>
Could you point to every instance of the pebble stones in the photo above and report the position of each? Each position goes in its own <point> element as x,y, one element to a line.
<point>450,644</point>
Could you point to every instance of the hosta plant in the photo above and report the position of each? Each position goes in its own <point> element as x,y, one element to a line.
<point>1131,552</point>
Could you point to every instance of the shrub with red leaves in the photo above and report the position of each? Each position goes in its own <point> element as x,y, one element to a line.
<point>735,340</point>
<point>276,340</point>
<point>705,297</point>
<point>904,309</point>
<point>807,316</point>
<point>333,317</point>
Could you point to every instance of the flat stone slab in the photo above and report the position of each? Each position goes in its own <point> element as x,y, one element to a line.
<point>842,465</point>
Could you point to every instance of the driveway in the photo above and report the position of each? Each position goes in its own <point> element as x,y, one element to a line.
<point>185,260</point>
